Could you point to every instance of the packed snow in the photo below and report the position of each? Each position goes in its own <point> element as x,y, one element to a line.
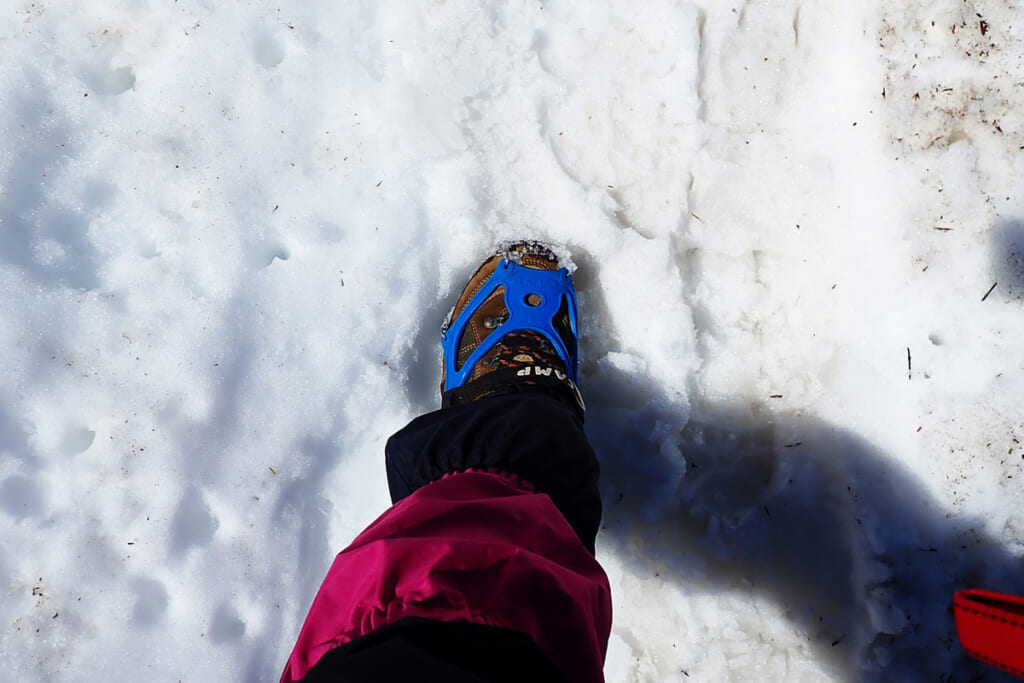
<point>229,233</point>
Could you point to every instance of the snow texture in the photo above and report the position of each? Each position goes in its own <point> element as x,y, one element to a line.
<point>230,231</point>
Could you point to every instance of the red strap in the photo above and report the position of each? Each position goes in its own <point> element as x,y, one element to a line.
<point>991,628</point>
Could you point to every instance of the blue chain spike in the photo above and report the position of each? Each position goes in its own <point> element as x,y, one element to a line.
<point>552,286</point>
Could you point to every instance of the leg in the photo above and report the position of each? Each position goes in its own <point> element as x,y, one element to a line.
<point>534,436</point>
<point>483,569</point>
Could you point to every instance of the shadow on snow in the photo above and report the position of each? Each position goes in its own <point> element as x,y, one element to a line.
<point>836,531</point>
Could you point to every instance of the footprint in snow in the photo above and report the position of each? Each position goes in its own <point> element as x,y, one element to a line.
<point>76,440</point>
<point>268,50</point>
<point>227,625</point>
<point>21,498</point>
<point>194,523</point>
<point>150,601</point>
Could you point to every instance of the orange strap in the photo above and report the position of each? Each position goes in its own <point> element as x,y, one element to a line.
<point>991,628</point>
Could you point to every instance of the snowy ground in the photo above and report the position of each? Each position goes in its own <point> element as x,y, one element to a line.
<point>228,234</point>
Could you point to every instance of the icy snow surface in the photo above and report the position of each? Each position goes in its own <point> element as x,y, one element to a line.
<point>229,232</point>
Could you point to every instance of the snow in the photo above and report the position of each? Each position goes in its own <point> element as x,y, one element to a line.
<point>229,233</point>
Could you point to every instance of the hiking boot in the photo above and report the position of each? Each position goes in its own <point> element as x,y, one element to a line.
<point>513,329</point>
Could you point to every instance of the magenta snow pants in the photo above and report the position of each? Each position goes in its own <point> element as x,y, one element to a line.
<point>483,569</point>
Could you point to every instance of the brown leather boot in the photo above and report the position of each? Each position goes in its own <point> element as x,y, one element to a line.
<point>536,350</point>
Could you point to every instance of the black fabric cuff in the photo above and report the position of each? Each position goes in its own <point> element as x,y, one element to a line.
<point>532,435</point>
